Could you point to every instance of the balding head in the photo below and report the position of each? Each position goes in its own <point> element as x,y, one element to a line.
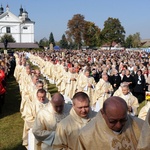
<point>114,103</point>
<point>114,112</point>
<point>58,102</point>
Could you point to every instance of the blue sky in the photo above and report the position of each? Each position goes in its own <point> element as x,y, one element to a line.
<point>53,15</point>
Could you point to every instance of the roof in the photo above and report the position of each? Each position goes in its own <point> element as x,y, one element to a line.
<point>13,18</point>
<point>108,44</point>
<point>10,16</point>
<point>20,45</point>
<point>145,42</point>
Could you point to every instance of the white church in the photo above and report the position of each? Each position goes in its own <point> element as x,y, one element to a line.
<point>20,27</point>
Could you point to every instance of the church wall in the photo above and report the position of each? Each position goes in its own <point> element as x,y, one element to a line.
<point>27,33</point>
<point>14,30</point>
<point>23,33</point>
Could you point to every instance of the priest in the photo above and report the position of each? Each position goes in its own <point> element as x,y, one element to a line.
<point>113,128</point>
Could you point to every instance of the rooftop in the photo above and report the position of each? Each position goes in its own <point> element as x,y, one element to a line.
<point>20,45</point>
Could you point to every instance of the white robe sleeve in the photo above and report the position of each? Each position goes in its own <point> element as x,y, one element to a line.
<point>41,133</point>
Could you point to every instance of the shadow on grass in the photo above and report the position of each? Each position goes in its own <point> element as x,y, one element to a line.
<point>17,147</point>
<point>12,98</point>
<point>52,89</point>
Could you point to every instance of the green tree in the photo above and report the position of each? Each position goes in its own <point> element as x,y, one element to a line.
<point>113,31</point>
<point>129,41</point>
<point>91,34</point>
<point>136,40</point>
<point>9,38</point>
<point>57,43</point>
<point>51,39</point>
<point>75,29</point>
<point>72,45</point>
<point>63,42</point>
<point>44,42</point>
<point>133,40</point>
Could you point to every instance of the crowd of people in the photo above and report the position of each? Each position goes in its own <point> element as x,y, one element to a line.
<point>97,102</point>
<point>7,66</point>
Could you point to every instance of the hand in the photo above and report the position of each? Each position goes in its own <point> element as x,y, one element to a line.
<point>89,85</point>
<point>129,108</point>
<point>129,83</point>
<point>106,91</point>
<point>73,79</point>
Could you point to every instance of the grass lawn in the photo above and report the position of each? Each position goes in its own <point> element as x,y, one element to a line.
<point>11,125</point>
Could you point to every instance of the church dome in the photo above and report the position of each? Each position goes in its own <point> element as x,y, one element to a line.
<point>25,12</point>
<point>25,16</point>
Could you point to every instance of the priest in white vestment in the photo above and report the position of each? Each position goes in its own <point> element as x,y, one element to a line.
<point>59,76</point>
<point>71,83</point>
<point>103,90</point>
<point>37,72</point>
<point>32,107</point>
<point>27,92</point>
<point>18,70</point>
<point>144,141</point>
<point>86,84</point>
<point>25,78</point>
<point>46,121</point>
<point>68,129</point>
<point>39,85</point>
<point>112,129</point>
<point>130,99</point>
<point>144,110</point>
<point>62,81</point>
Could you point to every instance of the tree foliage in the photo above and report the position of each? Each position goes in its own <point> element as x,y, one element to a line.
<point>136,40</point>
<point>91,34</point>
<point>133,40</point>
<point>113,31</point>
<point>129,41</point>
<point>51,39</point>
<point>72,45</point>
<point>44,42</point>
<point>63,42</point>
<point>9,38</point>
<point>81,32</point>
<point>75,29</point>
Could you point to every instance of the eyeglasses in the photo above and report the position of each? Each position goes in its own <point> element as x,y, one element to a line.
<point>115,121</point>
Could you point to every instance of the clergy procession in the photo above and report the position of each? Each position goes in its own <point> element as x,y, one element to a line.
<point>96,105</point>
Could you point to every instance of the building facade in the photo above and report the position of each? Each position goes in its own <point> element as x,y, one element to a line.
<point>20,27</point>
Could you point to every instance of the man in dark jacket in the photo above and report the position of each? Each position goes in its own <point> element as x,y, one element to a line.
<point>140,85</point>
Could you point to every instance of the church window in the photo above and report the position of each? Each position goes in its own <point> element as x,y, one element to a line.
<point>25,27</point>
<point>8,30</point>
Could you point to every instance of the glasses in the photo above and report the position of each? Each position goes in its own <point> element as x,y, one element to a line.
<point>115,121</point>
